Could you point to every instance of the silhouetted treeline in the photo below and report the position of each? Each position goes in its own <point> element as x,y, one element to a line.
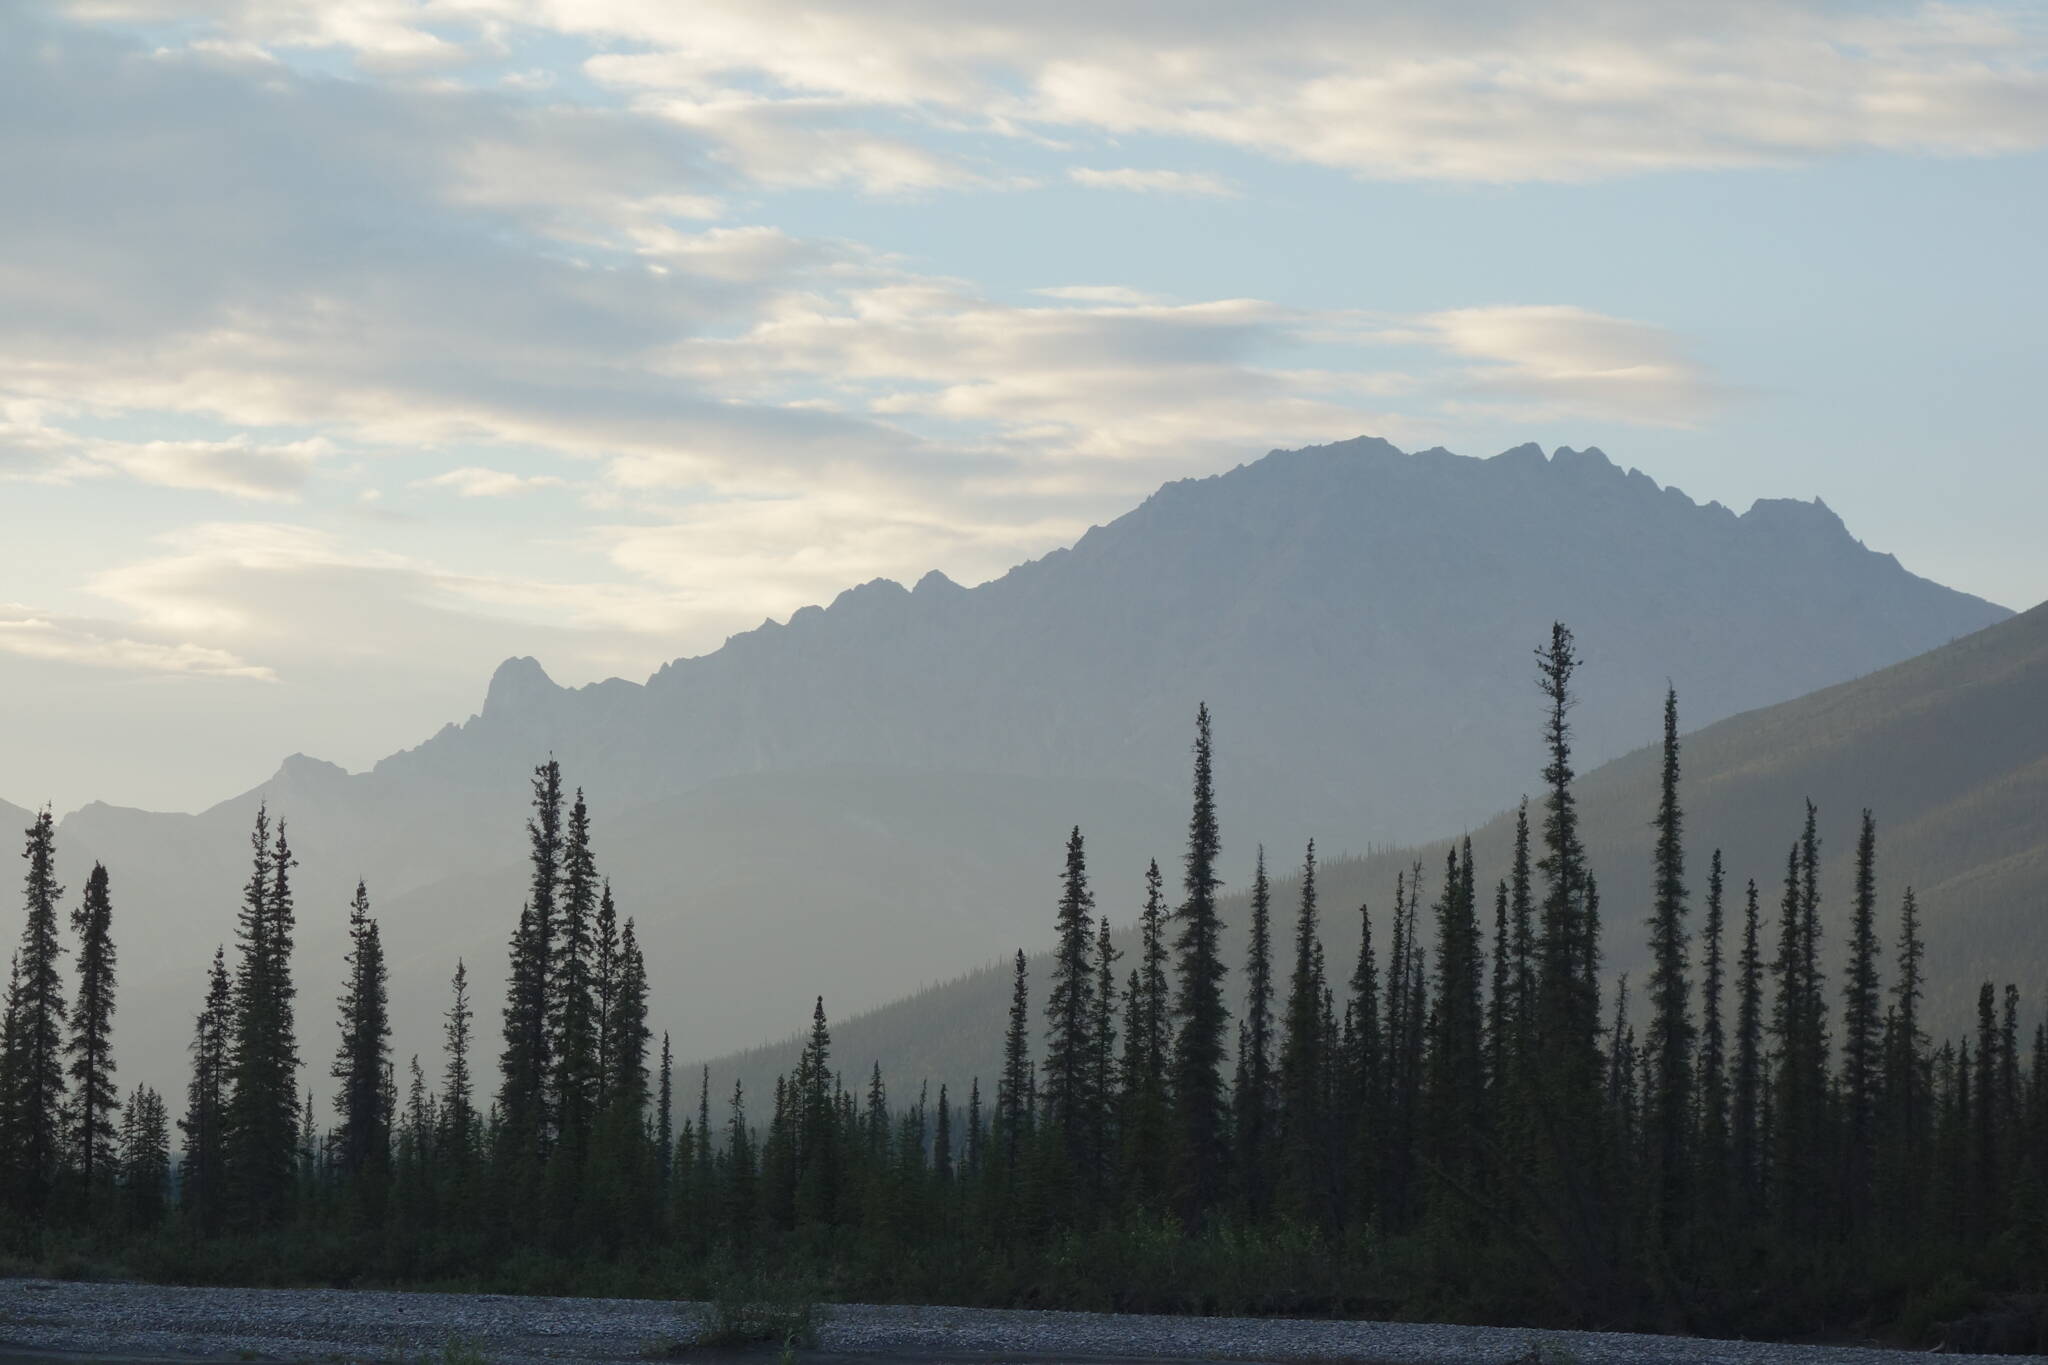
<point>1464,1122</point>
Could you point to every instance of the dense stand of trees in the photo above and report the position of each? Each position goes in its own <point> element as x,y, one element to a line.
<point>1471,1123</point>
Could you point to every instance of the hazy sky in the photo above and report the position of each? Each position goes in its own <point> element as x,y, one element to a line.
<point>349,346</point>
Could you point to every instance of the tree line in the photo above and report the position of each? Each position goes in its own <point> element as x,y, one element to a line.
<point>1471,1122</point>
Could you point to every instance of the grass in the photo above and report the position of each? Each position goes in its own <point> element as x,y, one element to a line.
<point>748,1312</point>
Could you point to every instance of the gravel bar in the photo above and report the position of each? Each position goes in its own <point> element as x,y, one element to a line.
<point>159,1322</point>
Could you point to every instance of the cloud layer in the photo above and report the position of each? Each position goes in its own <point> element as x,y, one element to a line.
<point>453,323</point>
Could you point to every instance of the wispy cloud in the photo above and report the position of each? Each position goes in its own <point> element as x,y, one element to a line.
<point>35,635</point>
<point>475,481</point>
<point>1559,361</point>
<point>1154,181</point>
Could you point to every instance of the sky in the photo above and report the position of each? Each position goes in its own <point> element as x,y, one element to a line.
<point>348,347</point>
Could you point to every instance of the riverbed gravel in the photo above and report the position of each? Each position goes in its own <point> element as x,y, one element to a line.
<point>331,1326</point>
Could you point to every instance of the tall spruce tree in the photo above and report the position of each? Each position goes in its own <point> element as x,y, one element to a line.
<point>1253,1096</point>
<point>93,1096</point>
<point>1199,1008</point>
<point>604,980</point>
<point>32,1068</point>
<point>664,1110</point>
<point>1362,1090</point>
<point>262,1127</point>
<point>1013,1108</point>
<point>573,1028</point>
<point>361,1104</point>
<point>1456,1030</point>
<point>1070,1012</point>
<point>1103,1082</point>
<point>1862,1031</point>
<point>1713,1070</point>
<point>1567,1091</point>
<point>1748,1099</point>
<point>1670,1100</point>
<point>524,1065</point>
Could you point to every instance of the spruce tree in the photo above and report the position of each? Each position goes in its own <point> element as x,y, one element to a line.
<point>664,1110</point>
<point>1566,1091</point>
<point>942,1141</point>
<point>458,1103</point>
<point>1013,1111</point>
<point>1500,1005</point>
<point>1303,1117</point>
<point>1157,1012</point>
<point>1070,1012</point>
<point>1103,1085</point>
<point>573,1030</point>
<point>525,1062</point>
<point>630,1035</point>
<point>1521,918</point>
<point>145,1159</point>
<point>1670,1100</point>
<point>363,1139</point>
<point>604,981</point>
<point>1364,1089</point>
<point>1861,1030</point>
<point>93,1097</point>
<point>1456,1029</point>
<point>1713,1070</point>
<point>263,1100</point>
<point>203,1183</point>
<point>33,1067</point>
<point>1199,1009</point>
<point>1253,1096</point>
<point>1748,1098</point>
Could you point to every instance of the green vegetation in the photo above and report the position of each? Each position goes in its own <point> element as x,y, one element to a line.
<point>1461,1128</point>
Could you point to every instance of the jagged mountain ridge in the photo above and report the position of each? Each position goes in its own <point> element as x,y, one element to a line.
<point>1347,590</point>
<point>873,794</point>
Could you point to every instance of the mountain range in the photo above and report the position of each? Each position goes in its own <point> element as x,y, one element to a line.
<point>863,799</point>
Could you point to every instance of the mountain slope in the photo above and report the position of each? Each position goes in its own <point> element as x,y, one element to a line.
<point>1347,592</point>
<point>867,797</point>
<point>1950,750</point>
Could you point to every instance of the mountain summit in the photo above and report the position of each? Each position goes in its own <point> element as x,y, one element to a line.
<point>1357,617</point>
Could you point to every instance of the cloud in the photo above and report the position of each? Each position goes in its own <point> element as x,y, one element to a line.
<point>1563,361</point>
<point>36,635</point>
<point>474,481</point>
<point>1494,91</point>
<point>240,466</point>
<point>1155,181</point>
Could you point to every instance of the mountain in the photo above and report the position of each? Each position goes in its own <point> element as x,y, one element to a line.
<point>1949,750</point>
<point>1347,609</point>
<point>866,797</point>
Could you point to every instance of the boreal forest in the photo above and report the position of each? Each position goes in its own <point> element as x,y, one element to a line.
<point>1472,1121</point>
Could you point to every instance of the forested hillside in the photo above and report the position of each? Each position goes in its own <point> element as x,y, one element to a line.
<point>1949,750</point>
<point>1462,1119</point>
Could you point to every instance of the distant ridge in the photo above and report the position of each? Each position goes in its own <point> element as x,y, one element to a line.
<point>872,794</point>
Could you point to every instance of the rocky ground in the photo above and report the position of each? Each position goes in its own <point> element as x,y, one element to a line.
<point>48,1321</point>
